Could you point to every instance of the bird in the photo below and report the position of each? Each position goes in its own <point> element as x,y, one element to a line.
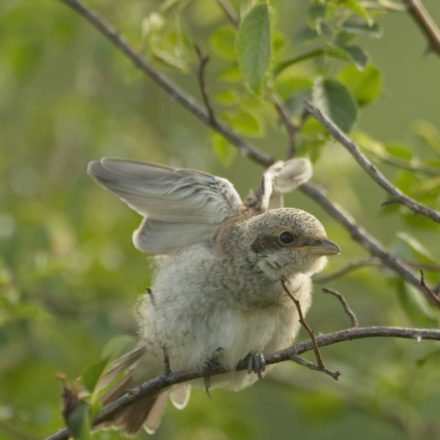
<point>217,293</point>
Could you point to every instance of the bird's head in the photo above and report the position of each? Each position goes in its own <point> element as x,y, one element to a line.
<point>288,241</point>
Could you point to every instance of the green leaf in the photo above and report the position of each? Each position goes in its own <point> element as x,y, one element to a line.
<point>356,7</point>
<point>92,373</point>
<point>365,86</point>
<point>222,42</point>
<point>418,251</point>
<point>117,346</point>
<point>228,97</point>
<point>359,27</point>
<point>429,134</point>
<point>78,422</point>
<point>399,150</point>
<point>335,100</point>
<point>253,46</point>
<point>355,54</point>
<point>230,74</point>
<point>246,123</point>
<point>223,150</point>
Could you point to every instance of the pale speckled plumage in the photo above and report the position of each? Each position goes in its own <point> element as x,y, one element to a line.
<point>219,289</point>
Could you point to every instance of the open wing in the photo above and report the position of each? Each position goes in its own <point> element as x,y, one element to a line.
<point>180,206</point>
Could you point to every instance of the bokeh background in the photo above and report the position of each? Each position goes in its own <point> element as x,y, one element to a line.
<point>69,275</point>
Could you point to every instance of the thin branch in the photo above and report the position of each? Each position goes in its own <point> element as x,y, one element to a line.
<point>347,309</point>
<point>320,363</point>
<point>365,239</point>
<point>291,128</point>
<point>203,61</point>
<point>425,22</point>
<point>350,267</point>
<point>229,12</point>
<point>174,91</point>
<point>368,166</point>
<point>310,365</point>
<point>431,291</point>
<point>164,381</point>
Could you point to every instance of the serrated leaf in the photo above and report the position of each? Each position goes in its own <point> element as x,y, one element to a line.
<point>92,373</point>
<point>78,422</point>
<point>335,100</point>
<point>222,42</point>
<point>223,150</point>
<point>365,86</point>
<point>253,46</point>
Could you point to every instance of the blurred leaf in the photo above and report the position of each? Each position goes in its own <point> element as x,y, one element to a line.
<point>358,27</point>
<point>355,54</point>
<point>356,7</point>
<point>418,251</point>
<point>253,46</point>
<point>230,74</point>
<point>117,346</point>
<point>335,100</point>
<point>433,356</point>
<point>292,85</point>
<point>429,134</point>
<point>92,373</point>
<point>246,123</point>
<point>228,97</point>
<point>399,150</point>
<point>222,42</point>
<point>365,86</point>
<point>223,150</point>
<point>78,422</point>
<point>296,103</point>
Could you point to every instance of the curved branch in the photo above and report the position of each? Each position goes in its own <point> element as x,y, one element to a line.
<point>396,195</point>
<point>183,98</point>
<point>166,380</point>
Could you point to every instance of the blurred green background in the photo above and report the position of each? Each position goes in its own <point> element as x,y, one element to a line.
<point>69,275</point>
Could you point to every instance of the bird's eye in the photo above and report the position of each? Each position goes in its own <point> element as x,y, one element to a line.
<point>286,238</point>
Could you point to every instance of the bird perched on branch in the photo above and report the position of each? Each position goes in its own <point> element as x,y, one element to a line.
<point>217,294</point>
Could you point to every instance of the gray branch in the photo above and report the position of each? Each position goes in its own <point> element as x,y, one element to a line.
<point>153,386</point>
<point>397,196</point>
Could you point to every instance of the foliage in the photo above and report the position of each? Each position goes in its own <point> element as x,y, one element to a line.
<point>69,276</point>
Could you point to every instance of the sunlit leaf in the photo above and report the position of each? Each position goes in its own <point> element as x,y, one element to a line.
<point>222,42</point>
<point>253,46</point>
<point>246,123</point>
<point>365,86</point>
<point>335,100</point>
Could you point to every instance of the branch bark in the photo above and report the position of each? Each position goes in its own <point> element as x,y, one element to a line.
<point>397,196</point>
<point>425,22</point>
<point>166,380</point>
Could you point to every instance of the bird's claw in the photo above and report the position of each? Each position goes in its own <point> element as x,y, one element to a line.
<point>255,363</point>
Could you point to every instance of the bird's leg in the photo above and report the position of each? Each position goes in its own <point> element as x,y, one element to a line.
<point>255,363</point>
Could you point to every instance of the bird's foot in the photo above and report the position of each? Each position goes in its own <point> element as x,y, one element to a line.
<point>214,360</point>
<point>255,363</point>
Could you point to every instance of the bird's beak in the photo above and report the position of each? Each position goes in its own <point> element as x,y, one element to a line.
<point>322,247</point>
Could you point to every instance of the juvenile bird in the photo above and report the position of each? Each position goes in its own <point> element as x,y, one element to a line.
<point>217,293</point>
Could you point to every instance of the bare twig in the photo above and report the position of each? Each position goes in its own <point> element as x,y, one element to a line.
<point>203,61</point>
<point>291,128</point>
<point>319,360</point>
<point>164,381</point>
<point>350,267</point>
<point>167,85</point>
<point>305,363</point>
<point>431,292</point>
<point>346,307</point>
<point>359,234</point>
<point>229,12</point>
<point>371,170</point>
<point>425,22</point>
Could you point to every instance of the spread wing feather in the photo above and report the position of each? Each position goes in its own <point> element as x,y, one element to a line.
<point>180,206</point>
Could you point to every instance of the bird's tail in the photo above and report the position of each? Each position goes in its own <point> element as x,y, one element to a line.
<point>149,410</point>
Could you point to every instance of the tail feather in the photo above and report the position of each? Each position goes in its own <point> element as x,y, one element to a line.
<point>147,411</point>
